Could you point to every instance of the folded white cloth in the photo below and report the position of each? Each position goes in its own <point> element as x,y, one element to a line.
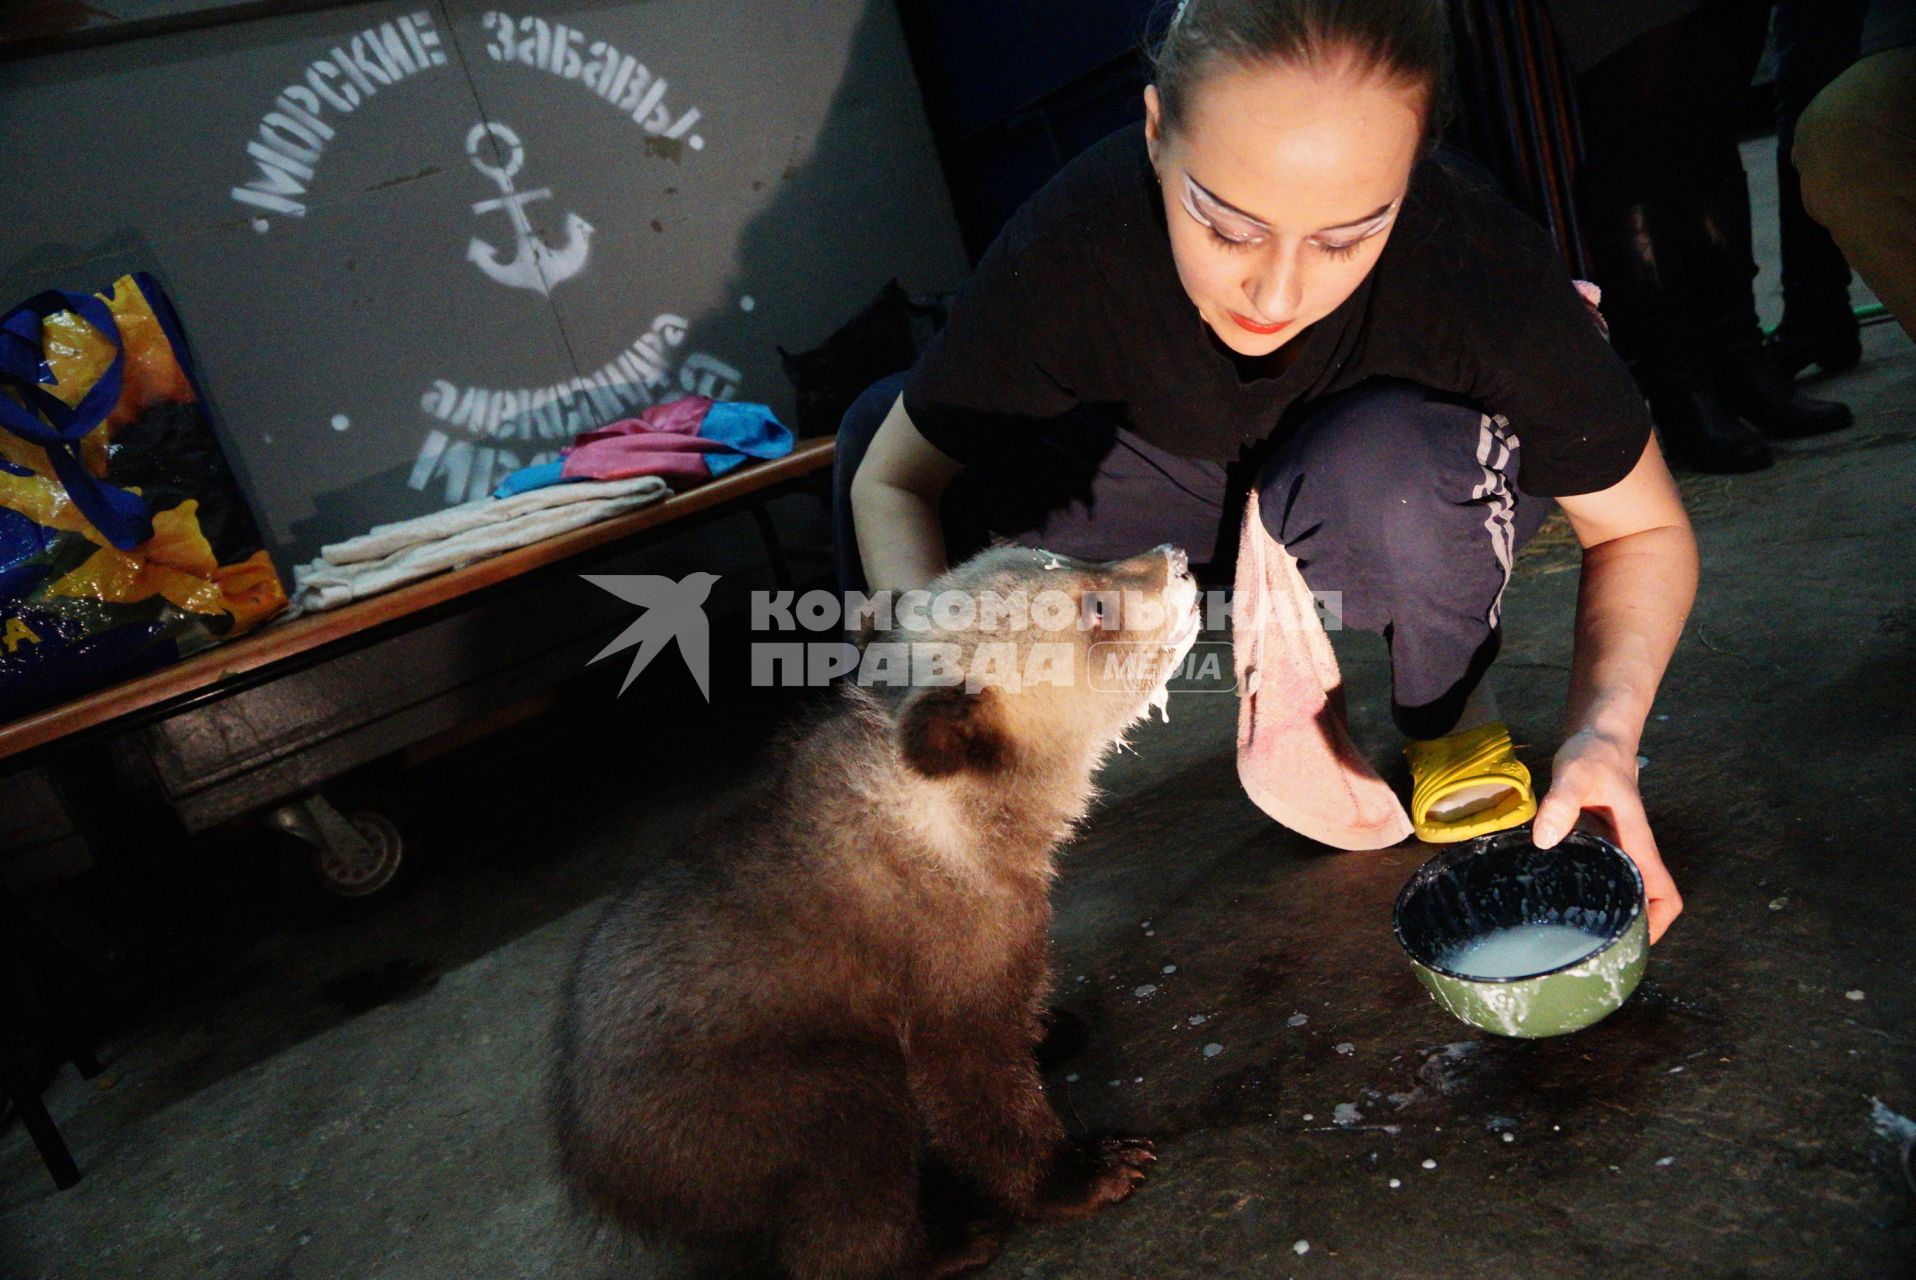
<point>458,536</point>
<point>382,540</point>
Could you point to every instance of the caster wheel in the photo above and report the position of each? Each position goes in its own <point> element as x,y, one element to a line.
<point>362,872</point>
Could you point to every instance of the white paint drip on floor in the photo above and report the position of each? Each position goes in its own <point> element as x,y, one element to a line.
<point>1890,1124</point>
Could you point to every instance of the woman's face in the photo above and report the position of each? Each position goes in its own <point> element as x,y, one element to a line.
<point>1281,185</point>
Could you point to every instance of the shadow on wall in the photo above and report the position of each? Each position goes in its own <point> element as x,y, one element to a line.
<point>831,200</point>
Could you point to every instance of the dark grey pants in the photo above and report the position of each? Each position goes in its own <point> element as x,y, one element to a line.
<point>1403,502</point>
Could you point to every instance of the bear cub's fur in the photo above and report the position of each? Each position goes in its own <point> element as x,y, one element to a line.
<point>767,1041</point>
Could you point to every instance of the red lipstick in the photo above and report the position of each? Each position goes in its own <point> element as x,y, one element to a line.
<point>1259,328</point>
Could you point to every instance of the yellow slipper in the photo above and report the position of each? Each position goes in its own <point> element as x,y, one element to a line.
<point>1468,784</point>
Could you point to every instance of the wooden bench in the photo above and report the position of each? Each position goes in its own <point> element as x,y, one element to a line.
<point>314,637</point>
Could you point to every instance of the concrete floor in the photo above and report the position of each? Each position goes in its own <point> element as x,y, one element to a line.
<point>354,1094</point>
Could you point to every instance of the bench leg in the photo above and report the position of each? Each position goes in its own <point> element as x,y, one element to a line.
<point>68,1045</point>
<point>33,1113</point>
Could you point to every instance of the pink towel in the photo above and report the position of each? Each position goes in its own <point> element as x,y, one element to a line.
<point>662,441</point>
<point>1295,756</point>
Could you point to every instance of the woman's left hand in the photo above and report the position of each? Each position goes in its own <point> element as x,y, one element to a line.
<point>1595,775</point>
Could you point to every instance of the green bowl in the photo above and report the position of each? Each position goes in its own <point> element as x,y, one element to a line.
<point>1503,880</point>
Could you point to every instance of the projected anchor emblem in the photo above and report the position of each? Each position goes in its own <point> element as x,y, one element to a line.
<point>534,265</point>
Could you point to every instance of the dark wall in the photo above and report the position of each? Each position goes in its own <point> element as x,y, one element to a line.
<point>1014,88</point>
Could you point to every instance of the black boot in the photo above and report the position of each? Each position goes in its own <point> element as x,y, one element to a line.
<point>1814,41</point>
<point>1725,269</point>
<point>1818,328</point>
<point>1702,433</point>
<point>1755,386</point>
<point>1832,343</point>
<point>1651,302</point>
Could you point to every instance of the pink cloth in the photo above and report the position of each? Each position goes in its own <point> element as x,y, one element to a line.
<point>1295,756</point>
<point>662,441</point>
<point>1592,296</point>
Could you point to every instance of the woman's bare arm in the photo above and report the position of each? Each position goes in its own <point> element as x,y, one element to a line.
<point>1639,580</point>
<point>895,505</point>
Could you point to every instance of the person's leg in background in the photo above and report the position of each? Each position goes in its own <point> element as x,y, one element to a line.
<point>1743,370</point>
<point>1816,41</point>
<point>1639,152</point>
<point>1856,151</point>
<point>1404,503</point>
<point>1666,206</point>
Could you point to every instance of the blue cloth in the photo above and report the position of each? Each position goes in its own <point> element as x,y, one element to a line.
<point>537,476</point>
<point>749,429</point>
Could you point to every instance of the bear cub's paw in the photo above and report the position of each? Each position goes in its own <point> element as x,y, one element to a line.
<point>1090,1173</point>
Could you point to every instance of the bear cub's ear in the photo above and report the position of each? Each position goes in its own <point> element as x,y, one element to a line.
<point>945,729</point>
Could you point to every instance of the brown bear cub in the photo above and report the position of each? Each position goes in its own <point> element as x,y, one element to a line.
<point>767,1042</point>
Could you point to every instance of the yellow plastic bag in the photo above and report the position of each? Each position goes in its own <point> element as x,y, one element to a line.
<point>125,543</point>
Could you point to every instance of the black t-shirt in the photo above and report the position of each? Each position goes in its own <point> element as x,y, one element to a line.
<point>1078,304</point>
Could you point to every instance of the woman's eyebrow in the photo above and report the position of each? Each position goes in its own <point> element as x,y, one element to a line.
<point>1356,223</point>
<point>1226,204</point>
<point>1353,224</point>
